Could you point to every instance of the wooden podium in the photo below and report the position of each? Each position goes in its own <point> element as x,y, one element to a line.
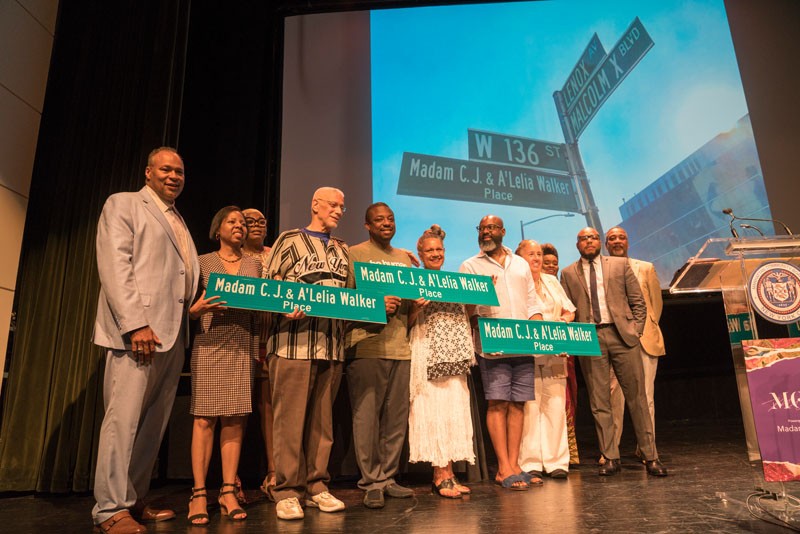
<point>726,265</point>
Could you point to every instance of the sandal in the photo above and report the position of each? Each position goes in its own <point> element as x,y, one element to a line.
<point>462,489</point>
<point>198,493</point>
<point>237,514</point>
<point>269,482</point>
<point>240,495</point>
<point>511,483</point>
<point>446,484</point>
<point>533,478</point>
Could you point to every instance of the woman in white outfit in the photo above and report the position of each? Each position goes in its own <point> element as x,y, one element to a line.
<point>544,447</point>
<point>440,423</point>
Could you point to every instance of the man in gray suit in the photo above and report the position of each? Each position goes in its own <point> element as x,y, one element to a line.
<point>605,292</point>
<point>148,271</point>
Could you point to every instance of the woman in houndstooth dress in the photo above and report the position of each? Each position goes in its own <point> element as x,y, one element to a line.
<point>224,349</point>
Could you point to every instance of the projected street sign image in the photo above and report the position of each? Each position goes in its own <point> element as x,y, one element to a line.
<point>562,114</point>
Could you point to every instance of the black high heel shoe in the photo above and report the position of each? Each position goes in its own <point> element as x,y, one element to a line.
<point>199,493</point>
<point>237,514</point>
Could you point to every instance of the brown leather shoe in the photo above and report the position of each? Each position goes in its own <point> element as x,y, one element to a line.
<point>120,523</point>
<point>609,468</point>
<point>146,512</point>
<point>655,468</point>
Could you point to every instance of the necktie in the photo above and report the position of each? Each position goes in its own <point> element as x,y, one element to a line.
<point>593,289</point>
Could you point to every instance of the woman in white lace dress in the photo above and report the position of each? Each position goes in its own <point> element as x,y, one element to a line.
<point>440,423</point>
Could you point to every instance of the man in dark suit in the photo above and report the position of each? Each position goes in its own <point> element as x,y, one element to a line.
<point>148,276</point>
<point>605,291</point>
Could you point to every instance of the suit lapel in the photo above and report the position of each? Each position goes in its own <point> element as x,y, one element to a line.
<point>581,276</point>
<point>153,209</point>
<point>606,274</point>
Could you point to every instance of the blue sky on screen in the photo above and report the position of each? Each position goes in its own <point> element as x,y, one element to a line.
<point>438,71</point>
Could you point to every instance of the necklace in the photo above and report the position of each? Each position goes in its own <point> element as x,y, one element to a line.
<point>227,260</point>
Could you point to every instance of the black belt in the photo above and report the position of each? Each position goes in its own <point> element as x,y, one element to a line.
<point>603,325</point>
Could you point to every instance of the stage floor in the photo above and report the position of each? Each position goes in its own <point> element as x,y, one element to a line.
<point>706,491</point>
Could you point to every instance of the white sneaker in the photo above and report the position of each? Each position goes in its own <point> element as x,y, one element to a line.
<point>325,502</point>
<point>289,509</point>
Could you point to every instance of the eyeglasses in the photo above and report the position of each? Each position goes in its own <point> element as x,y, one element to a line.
<point>333,205</point>
<point>585,238</point>
<point>490,227</point>
<point>250,221</point>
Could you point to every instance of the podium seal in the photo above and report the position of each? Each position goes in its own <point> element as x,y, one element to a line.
<point>774,290</point>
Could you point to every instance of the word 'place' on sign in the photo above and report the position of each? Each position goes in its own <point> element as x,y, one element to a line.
<point>514,336</point>
<point>412,283</point>
<point>285,297</point>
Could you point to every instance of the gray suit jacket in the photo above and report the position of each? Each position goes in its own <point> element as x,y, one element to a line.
<point>623,296</point>
<point>142,273</point>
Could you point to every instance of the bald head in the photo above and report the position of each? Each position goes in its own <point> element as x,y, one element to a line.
<point>327,207</point>
<point>324,192</point>
<point>254,213</point>
<point>588,243</point>
<point>491,233</point>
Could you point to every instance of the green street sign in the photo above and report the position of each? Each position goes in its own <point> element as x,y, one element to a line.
<point>411,283</point>
<point>619,62</point>
<point>581,74</point>
<point>739,328</point>
<point>284,297</point>
<point>514,150</point>
<point>794,329</point>
<point>516,336</point>
<point>422,175</point>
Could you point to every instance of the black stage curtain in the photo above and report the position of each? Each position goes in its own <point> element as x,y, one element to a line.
<point>126,77</point>
<point>114,92</point>
<point>231,105</point>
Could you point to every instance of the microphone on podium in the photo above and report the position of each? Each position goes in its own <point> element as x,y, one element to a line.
<point>752,227</point>
<point>729,211</point>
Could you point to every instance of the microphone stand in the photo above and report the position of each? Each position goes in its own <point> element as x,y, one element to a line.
<point>752,227</point>
<point>728,211</point>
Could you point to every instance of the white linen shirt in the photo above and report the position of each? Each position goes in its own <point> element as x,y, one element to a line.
<point>515,289</point>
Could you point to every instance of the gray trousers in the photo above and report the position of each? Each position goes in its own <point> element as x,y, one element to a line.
<point>627,364</point>
<point>379,398</point>
<point>303,392</point>
<point>138,402</point>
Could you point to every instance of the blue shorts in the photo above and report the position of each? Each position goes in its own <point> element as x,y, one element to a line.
<point>507,379</point>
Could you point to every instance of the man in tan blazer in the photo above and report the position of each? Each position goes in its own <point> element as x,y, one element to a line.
<point>148,271</point>
<point>652,341</point>
<point>605,292</point>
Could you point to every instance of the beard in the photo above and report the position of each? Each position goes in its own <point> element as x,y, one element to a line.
<point>489,246</point>
<point>590,256</point>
